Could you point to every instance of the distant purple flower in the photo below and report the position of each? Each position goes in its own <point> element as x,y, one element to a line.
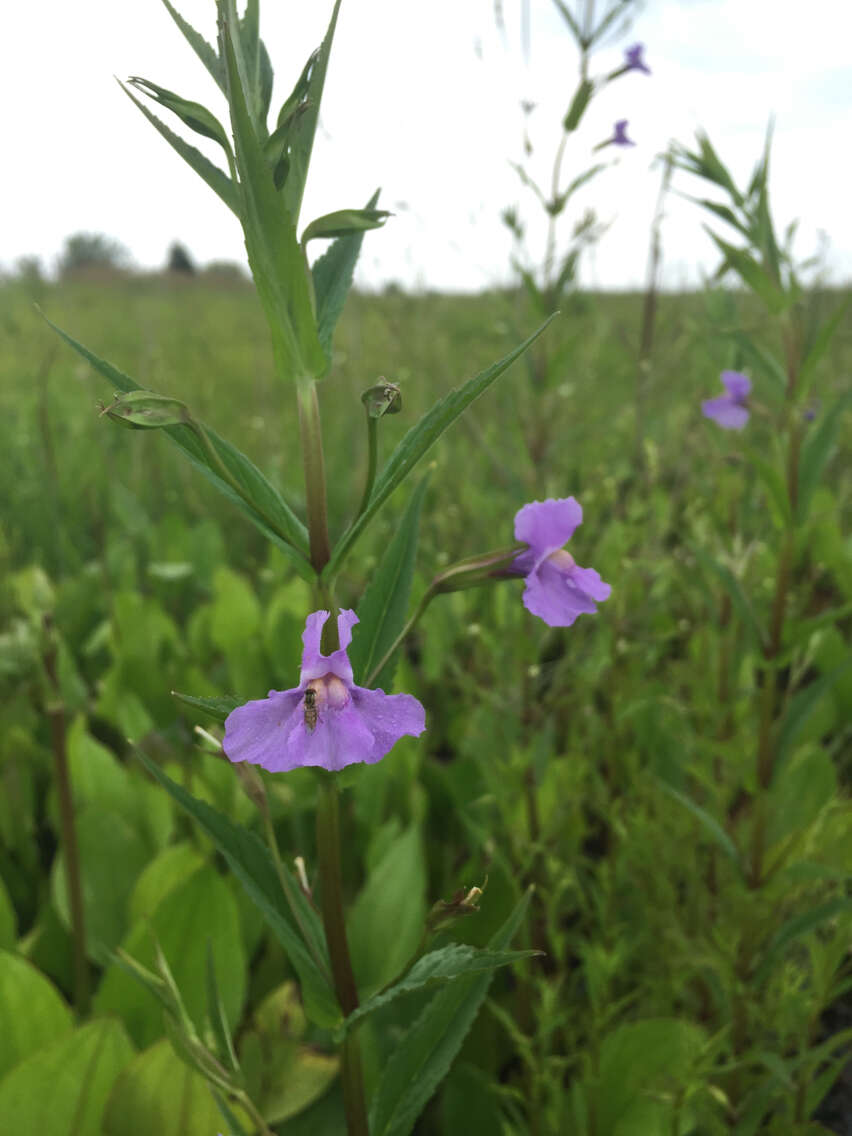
<point>633,60</point>
<point>326,720</point>
<point>730,411</point>
<point>557,589</point>
<point>620,138</point>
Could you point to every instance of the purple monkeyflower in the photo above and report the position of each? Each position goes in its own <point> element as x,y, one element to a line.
<point>619,137</point>
<point>633,60</point>
<point>557,589</point>
<point>326,720</point>
<point>730,411</point>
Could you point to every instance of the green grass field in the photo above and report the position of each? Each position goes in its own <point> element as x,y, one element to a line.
<point>611,765</point>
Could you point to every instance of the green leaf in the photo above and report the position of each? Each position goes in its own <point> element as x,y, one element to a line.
<point>423,1056</point>
<point>343,222</point>
<point>157,1093</point>
<point>796,927</point>
<point>384,605</point>
<point>217,179</point>
<point>735,590</point>
<point>201,47</point>
<point>332,274</point>
<point>167,871</point>
<point>62,1089</point>
<point>579,103</point>
<point>752,274</point>
<point>252,864</point>
<point>33,1012</point>
<point>191,114</point>
<point>775,485</point>
<point>276,260</point>
<point>818,347</point>
<point>8,920</point>
<point>444,965</point>
<point>420,439</point>
<point>393,896</point>
<point>816,453</point>
<point>218,707</point>
<point>268,511</point>
<point>145,410</point>
<point>800,709</point>
<point>216,1015</point>
<point>799,793</point>
<point>710,824</point>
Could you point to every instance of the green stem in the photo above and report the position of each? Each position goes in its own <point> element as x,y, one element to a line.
<point>314,465</point>
<point>372,458</point>
<point>56,715</point>
<point>331,899</point>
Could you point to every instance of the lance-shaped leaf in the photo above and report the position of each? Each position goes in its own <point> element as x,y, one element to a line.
<point>298,926</point>
<point>420,439</point>
<point>217,179</point>
<point>145,410</point>
<point>258,500</point>
<point>200,46</point>
<point>343,222</point>
<point>277,262</point>
<point>383,608</point>
<point>423,1057</point>
<point>752,274</point>
<point>218,708</point>
<point>579,103</point>
<point>708,822</point>
<point>193,115</point>
<point>442,966</point>
<point>332,274</point>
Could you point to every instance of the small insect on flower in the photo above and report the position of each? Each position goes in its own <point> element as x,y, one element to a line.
<point>310,709</point>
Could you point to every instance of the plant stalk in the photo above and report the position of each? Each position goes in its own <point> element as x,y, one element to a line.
<point>314,465</point>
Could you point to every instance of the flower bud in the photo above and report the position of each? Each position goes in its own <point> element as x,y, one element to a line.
<point>383,398</point>
<point>145,410</point>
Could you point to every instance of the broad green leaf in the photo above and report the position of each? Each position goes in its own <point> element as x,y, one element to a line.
<point>343,222</point>
<point>62,1090</point>
<point>112,855</point>
<point>158,1093</point>
<point>191,114</point>
<point>441,966</point>
<point>217,707</point>
<point>393,896</point>
<point>33,1012</point>
<point>710,824</point>
<point>277,262</point>
<point>217,179</point>
<point>252,864</point>
<point>268,511</point>
<point>201,47</point>
<point>383,608</point>
<point>800,792</point>
<point>420,439</point>
<point>200,910</point>
<point>8,920</point>
<point>816,453</point>
<point>423,1056</point>
<point>332,275</point>
<point>171,869</point>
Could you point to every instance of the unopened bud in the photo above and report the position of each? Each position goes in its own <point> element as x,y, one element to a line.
<point>145,410</point>
<point>383,398</point>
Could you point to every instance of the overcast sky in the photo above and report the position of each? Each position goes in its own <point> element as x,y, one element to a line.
<point>423,99</point>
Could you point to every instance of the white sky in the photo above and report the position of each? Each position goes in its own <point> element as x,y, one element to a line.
<point>423,100</point>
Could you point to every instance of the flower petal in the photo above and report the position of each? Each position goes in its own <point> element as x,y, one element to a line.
<point>388,717</point>
<point>340,738</point>
<point>259,731</point>
<point>588,581</point>
<point>314,663</point>
<point>725,412</point>
<point>311,638</point>
<point>547,525</point>
<point>553,597</point>
<point>737,385</point>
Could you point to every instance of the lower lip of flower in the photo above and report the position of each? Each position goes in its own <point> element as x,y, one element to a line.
<point>562,560</point>
<point>331,692</point>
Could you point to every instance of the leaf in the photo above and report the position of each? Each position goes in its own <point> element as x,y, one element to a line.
<point>423,1056</point>
<point>8,920</point>
<point>191,114</point>
<point>818,347</point>
<point>384,605</point>
<point>734,589</point>
<point>420,439</point>
<point>276,260</point>
<point>157,1093</point>
<point>201,47</point>
<point>752,274</point>
<point>62,1089</point>
<point>816,453</point>
<point>252,864</point>
<point>268,511</point>
<point>775,486</point>
<point>393,896</point>
<point>796,927</point>
<point>343,222</point>
<point>217,707</point>
<point>217,179</point>
<point>33,1012</point>
<point>579,102</point>
<point>444,965</point>
<point>801,706</point>
<point>712,826</point>
<point>216,1015</point>
<point>332,274</point>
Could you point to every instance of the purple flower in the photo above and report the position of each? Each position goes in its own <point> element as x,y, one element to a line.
<point>730,411</point>
<point>620,138</point>
<point>326,720</point>
<point>557,589</point>
<point>633,60</point>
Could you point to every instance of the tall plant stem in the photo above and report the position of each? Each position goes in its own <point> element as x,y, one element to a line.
<point>314,464</point>
<point>372,461</point>
<point>331,901</point>
<point>56,716</point>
